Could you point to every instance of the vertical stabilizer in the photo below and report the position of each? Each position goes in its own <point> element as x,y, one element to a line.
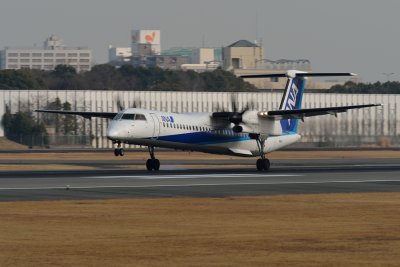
<point>291,100</point>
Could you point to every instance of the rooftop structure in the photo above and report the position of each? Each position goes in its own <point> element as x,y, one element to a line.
<point>52,53</point>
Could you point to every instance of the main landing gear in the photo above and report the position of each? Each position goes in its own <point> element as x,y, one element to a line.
<point>152,163</point>
<point>263,163</point>
<point>119,151</point>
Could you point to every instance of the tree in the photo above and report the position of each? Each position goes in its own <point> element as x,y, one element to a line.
<point>21,79</point>
<point>64,124</point>
<point>21,126</point>
<point>127,77</point>
<point>68,120</point>
<point>367,88</point>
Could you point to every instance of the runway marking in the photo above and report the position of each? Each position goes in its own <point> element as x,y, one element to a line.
<point>192,185</point>
<point>190,176</point>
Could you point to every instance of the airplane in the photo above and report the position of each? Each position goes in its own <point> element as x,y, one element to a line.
<point>245,133</point>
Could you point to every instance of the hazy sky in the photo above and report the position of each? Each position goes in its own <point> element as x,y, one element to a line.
<point>336,35</point>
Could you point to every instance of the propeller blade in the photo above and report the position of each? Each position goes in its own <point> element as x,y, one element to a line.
<point>119,103</point>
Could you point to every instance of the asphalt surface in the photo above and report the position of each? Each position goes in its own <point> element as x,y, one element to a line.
<point>285,177</point>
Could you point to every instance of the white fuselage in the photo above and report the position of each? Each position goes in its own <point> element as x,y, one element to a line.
<point>188,131</point>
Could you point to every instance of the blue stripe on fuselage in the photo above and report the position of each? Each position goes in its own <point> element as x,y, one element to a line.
<point>203,138</point>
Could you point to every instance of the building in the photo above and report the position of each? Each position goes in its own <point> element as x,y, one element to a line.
<point>52,53</point>
<point>242,55</point>
<point>146,51</point>
<point>179,51</point>
<point>202,55</point>
<point>204,59</point>
<point>146,42</point>
<point>119,55</point>
<point>160,61</point>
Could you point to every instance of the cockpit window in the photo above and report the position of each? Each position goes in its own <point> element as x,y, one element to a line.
<point>130,116</point>
<point>118,116</point>
<point>140,117</point>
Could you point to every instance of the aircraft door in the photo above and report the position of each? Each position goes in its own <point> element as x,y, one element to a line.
<point>156,124</point>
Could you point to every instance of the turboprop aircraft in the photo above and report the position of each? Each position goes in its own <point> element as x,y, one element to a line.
<point>246,133</point>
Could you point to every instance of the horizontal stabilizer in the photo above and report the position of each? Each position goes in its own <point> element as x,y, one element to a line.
<point>85,114</point>
<point>298,74</point>
<point>302,113</point>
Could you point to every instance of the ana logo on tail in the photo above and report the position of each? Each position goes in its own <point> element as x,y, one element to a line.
<point>292,98</point>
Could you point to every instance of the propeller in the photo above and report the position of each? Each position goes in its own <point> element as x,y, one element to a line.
<point>235,116</point>
<point>119,102</point>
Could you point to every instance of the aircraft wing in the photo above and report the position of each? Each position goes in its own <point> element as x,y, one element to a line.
<point>85,114</point>
<point>302,113</point>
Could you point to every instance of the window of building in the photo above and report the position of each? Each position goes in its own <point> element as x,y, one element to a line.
<point>49,67</point>
<point>48,54</point>
<point>36,54</point>
<point>72,54</point>
<point>73,60</point>
<point>84,55</point>
<point>13,60</point>
<point>60,60</point>
<point>36,67</point>
<point>13,66</point>
<point>13,54</point>
<point>24,55</point>
<point>48,60</point>
<point>25,60</point>
<point>36,60</point>
<point>60,54</point>
<point>84,60</point>
<point>25,66</point>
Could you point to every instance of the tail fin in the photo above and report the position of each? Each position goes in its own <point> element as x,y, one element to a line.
<point>292,99</point>
<point>294,90</point>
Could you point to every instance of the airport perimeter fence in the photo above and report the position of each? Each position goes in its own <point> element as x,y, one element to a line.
<point>46,141</point>
<point>361,127</point>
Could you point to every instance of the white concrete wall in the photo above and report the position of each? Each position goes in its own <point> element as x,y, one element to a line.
<point>383,121</point>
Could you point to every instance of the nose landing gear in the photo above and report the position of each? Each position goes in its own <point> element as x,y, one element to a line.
<point>119,151</point>
<point>152,163</point>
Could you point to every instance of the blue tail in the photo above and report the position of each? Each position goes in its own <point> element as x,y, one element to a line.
<point>291,100</point>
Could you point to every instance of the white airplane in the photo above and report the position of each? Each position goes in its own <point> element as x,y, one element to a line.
<point>245,133</point>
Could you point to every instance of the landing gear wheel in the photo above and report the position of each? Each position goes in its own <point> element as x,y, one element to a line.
<point>153,164</point>
<point>263,164</point>
<point>156,164</point>
<point>149,164</point>
<point>260,165</point>
<point>266,164</point>
<point>119,152</point>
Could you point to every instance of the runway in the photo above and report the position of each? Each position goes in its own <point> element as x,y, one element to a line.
<point>285,177</point>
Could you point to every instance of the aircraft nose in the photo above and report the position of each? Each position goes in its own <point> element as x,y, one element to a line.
<point>113,133</point>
